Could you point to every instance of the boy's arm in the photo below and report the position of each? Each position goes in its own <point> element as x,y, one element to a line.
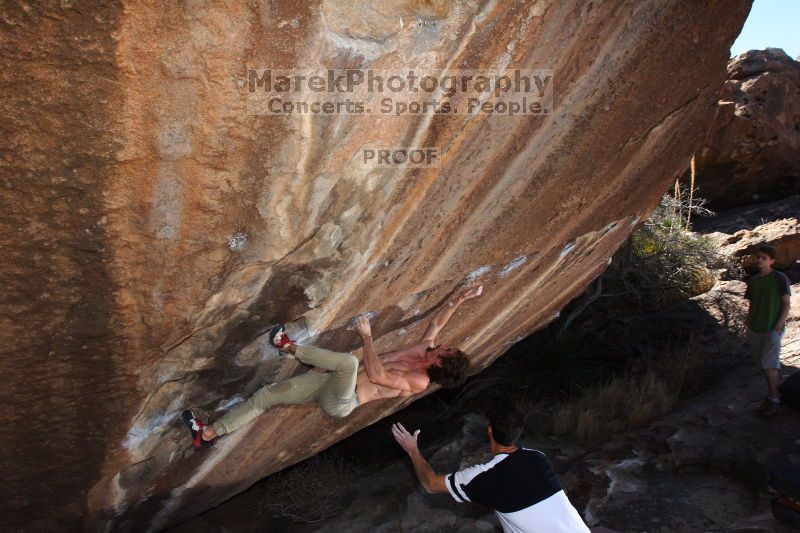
<point>440,319</point>
<point>749,312</point>
<point>786,304</point>
<point>749,304</point>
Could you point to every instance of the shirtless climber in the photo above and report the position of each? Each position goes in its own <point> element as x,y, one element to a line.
<point>346,385</point>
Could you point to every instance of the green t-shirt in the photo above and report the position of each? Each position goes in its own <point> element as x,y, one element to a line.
<point>764,293</point>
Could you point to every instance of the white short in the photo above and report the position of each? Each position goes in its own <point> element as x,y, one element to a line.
<point>765,348</point>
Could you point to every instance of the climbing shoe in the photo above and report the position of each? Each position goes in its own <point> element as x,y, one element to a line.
<point>196,426</point>
<point>278,337</point>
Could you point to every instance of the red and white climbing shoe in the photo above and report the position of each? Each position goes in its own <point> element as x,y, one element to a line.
<point>278,337</point>
<point>196,426</point>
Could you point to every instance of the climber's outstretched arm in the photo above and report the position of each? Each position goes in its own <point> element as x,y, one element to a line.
<point>440,319</point>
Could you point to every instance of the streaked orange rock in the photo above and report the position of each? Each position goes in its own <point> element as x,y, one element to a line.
<point>152,229</point>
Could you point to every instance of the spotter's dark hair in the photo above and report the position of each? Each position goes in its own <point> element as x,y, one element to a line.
<point>506,421</point>
<point>451,370</point>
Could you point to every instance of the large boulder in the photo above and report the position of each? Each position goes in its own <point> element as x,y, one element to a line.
<point>783,235</point>
<point>153,228</point>
<point>739,232</point>
<point>752,149</point>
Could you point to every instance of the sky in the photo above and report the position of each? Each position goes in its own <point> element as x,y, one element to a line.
<point>773,24</point>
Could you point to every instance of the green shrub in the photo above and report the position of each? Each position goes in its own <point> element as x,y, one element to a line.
<point>664,261</point>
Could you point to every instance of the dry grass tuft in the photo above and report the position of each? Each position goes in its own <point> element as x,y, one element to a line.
<point>649,390</point>
<point>311,491</point>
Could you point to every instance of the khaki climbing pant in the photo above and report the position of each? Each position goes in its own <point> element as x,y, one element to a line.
<point>335,391</point>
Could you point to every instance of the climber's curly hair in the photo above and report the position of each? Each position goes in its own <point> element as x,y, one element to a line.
<point>450,370</point>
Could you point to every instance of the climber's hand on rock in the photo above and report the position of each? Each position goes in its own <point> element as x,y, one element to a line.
<point>362,327</point>
<point>474,292</point>
<point>406,440</point>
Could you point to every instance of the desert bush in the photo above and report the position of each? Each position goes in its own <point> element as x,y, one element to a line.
<point>664,261</point>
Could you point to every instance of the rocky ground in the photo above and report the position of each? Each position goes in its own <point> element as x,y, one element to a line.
<point>701,468</point>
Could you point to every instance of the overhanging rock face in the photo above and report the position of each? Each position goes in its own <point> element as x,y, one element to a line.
<point>153,228</point>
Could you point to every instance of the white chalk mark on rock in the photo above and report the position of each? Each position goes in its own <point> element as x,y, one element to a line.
<point>237,242</point>
<point>567,249</point>
<point>512,265</point>
<point>478,272</point>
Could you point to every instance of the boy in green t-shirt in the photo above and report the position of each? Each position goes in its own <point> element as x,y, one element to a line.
<point>769,294</point>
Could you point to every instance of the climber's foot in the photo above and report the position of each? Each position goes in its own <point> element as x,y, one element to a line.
<point>279,339</point>
<point>209,433</point>
<point>196,426</point>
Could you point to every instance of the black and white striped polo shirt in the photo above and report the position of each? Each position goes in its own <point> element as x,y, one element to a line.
<point>524,491</point>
